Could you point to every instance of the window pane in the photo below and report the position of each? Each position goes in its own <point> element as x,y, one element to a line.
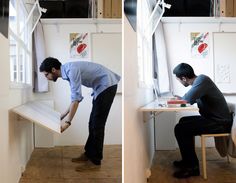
<point>35,16</point>
<point>144,44</point>
<point>13,57</point>
<point>12,16</point>
<point>20,39</point>
<point>22,20</point>
<point>22,58</point>
<point>15,76</point>
<point>29,17</point>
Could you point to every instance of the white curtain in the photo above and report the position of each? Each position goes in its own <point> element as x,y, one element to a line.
<point>40,81</point>
<point>161,66</point>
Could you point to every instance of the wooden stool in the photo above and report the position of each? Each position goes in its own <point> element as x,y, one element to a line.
<point>203,136</point>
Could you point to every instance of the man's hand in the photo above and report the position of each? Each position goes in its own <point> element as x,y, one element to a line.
<point>64,126</point>
<point>178,97</point>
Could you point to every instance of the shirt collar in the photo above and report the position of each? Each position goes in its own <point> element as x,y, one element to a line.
<point>63,72</point>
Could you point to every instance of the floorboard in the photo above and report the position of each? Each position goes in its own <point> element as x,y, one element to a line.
<point>218,169</point>
<point>53,165</point>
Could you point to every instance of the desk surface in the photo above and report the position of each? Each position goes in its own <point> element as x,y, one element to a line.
<point>154,107</point>
<point>40,114</point>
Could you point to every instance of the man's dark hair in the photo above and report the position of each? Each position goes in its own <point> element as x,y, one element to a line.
<point>184,70</point>
<point>49,63</point>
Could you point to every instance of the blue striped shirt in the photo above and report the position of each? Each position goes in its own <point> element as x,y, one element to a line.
<point>89,74</point>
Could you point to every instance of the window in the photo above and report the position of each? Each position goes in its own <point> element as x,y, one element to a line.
<point>155,17</point>
<point>22,21</point>
<point>144,45</point>
<point>149,13</point>
<point>161,69</point>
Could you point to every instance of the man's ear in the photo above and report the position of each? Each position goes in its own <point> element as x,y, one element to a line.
<point>53,70</point>
<point>184,79</point>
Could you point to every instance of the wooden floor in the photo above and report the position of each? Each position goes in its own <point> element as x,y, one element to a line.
<point>218,169</point>
<point>53,165</point>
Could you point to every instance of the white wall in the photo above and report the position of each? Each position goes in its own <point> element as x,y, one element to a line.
<point>138,136</point>
<point>57,45</point>
<point>15,136</point>
<point>177,36</point>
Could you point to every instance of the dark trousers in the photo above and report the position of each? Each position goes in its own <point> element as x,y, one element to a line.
<point>97,121</point>
<point>191,126</point>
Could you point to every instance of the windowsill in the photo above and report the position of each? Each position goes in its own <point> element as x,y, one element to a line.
<point>14,85</point>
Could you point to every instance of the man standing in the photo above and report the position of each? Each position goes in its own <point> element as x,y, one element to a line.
<point>214,117</point>
<point>104,84</point>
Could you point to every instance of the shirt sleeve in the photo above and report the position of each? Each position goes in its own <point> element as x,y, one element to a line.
<point>197,91</point>
<point>75,84</point>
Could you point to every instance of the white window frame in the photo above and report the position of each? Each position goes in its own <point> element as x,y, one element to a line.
<point>36,7</point>
<point>23,47</point>
<point>147,22</point>
<point>155,17</point>
<point>144,50</point>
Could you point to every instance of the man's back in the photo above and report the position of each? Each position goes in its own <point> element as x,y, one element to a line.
<point>89,74</point>
<point>210,100</point>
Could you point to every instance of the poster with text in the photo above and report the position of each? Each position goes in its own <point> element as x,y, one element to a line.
<point>79,47</point>
<point>199,44</point>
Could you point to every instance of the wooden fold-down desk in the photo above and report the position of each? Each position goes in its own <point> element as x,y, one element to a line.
<point>154,108</point>
<point>41,114</point>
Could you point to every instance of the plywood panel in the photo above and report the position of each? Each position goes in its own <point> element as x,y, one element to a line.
<point>40,114</point>
<point>107,9</point>
<point>100,12</point>
<point>226,8</point>
<point>116,8</point>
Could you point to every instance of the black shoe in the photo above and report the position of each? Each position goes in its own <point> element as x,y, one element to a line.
<point>179,164</point>
<point>81,158</point>
<point>87,166</point>
<point>187,172</point>
<point>92,159</point>
<point>96,162</point>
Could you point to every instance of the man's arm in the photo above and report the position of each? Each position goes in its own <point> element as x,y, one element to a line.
<point>76,96</point>
<point>63,115</point>
<point>198,90</point>
<point>73,107</point>
<point>72,110</point>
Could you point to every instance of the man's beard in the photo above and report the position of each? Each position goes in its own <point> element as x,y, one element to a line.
<point>54,78</point>
<point>186,84</point>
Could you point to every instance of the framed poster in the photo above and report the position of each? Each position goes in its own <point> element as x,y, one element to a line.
<point>199,44</point>
<point>79,47</point>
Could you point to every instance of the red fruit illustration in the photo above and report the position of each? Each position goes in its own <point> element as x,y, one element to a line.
<point>202,47</point>
<point>81,48</point>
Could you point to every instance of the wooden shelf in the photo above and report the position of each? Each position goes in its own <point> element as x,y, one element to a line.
<point>198,19</point>
<point>81,21</point>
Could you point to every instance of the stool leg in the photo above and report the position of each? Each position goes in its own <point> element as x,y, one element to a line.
<point>203,157</point>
